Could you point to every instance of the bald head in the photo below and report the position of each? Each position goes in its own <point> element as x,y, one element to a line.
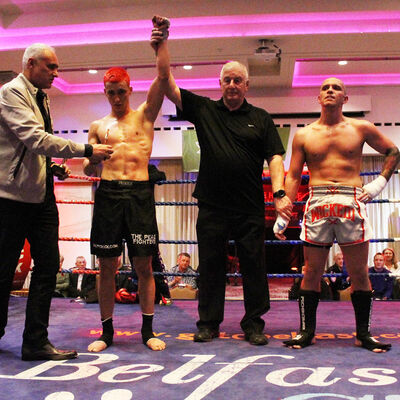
<point>334,81</point>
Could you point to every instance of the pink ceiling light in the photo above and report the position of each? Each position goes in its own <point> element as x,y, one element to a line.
<point>208,27</point>
<point>137,86</point>
<point>205,27</point>
<point>364,79</point>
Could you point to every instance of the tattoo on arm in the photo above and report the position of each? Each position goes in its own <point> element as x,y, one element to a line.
<point>390,163</point>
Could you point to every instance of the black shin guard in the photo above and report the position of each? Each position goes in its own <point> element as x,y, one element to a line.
<point>108,332</point>
<point>308,303</point>
<point>147,327</point>
<point>362,304</point>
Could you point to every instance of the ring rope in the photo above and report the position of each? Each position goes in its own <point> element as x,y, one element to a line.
<point>170,182</point>
<point>196,274</point>
<point>268,242</point>
<point>194,203</point>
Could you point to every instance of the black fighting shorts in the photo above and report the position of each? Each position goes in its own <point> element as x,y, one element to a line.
<point>124,210</point>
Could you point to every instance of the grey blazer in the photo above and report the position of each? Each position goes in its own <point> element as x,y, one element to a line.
<point>24,144</point>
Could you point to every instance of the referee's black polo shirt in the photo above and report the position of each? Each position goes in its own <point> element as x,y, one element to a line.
<point>233,147</point>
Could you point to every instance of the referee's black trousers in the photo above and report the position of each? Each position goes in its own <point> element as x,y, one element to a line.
<point>214,227</point>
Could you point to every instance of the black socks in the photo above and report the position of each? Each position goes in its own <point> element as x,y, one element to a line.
<point>108,332</point>
<point>362,304</point>
<point>308,303</point>
<point>147,327</point>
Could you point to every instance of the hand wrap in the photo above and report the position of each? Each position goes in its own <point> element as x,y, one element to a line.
<point>376,186</point>
<point>281,224</point>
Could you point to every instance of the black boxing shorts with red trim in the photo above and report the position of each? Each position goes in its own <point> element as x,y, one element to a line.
<point>333,212</point>
<point>124,210</point>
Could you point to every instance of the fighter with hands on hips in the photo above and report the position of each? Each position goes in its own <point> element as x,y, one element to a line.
<point>332,148</point>
<point>124,202</point>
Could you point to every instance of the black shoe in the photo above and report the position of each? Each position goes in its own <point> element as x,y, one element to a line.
<point>46,352</point>
<point>257,339</point>
<point>206,335</point>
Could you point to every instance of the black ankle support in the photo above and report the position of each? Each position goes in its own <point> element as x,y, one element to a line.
<point>147,327</point>
<point>308,303</point>
<point>362,304</point>
<point>108,332</point>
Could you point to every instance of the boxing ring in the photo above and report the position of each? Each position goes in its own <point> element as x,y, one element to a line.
<point>227,367</point>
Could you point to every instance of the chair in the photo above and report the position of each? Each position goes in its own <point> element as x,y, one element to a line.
<point>178,293</point>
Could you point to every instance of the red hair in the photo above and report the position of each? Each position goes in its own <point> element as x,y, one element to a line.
<point>116,74</point>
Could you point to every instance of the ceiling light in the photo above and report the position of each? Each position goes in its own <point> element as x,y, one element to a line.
<point>92,71</point>
<point>342,62</point>
<point>187,67</point>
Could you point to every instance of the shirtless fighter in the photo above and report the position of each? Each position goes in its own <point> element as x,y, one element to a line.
<point>332,148</point>
<point>124,204</point>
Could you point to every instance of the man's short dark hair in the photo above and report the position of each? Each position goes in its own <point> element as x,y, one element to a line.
<point>184,254</point>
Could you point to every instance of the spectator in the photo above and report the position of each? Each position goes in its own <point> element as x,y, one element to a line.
<point>393,266</point>
<point>183,267</point>
<point>62,283</point>
<point>82,286</point>
<point>382,285</point>
<point>338,283</point>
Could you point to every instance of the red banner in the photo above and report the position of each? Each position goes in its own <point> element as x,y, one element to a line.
<point>23,267</point>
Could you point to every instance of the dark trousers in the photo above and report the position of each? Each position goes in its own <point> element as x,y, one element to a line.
<point>39,224</point>
<point>214,227</point>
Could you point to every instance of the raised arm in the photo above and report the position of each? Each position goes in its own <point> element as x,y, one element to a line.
<point>159,86</point>
<point>172,90</point>
<point>381,143</point>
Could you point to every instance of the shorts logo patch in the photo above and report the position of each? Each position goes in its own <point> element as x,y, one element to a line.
<point>138,238</point>
<point>332,210</point>
<point>332,190</point>
<point>105,246</point>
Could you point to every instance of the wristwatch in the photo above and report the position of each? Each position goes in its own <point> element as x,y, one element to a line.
<point>279,194</point>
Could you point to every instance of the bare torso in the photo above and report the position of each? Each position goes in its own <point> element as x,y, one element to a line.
<point>333,152</point>
<point>131,137</point>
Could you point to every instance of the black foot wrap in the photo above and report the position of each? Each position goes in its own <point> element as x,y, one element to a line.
<point>108,332</point>
<point>362,304</point>
<point>303,339</point>
<point>147,328</point>
<point>369,343</point>
<point>308,304</point>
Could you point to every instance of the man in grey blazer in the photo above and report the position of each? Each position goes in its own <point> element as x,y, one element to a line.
<point>27,204</point>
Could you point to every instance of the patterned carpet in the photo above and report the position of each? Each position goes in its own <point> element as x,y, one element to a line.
<point>227,368</point>
<point>278,289</point>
